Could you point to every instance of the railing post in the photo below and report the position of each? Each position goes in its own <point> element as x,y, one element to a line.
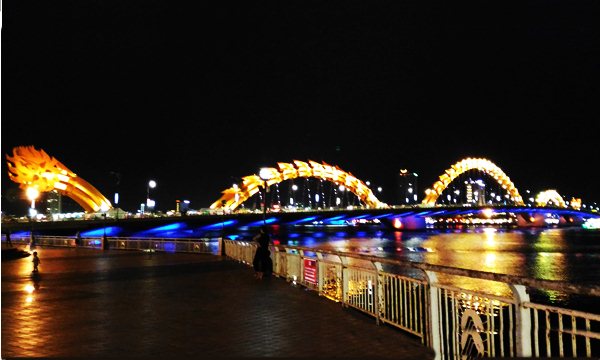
<point>221,249</point>
<point>434,324</point>
<point>523,321</point>
<point>320,277</point>
<point>301,270</point>
<point>378,286</point>
<point>344,280</point>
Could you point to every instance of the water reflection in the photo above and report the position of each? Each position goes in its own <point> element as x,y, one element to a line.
<point>566,254</point>
<point>31,288</point>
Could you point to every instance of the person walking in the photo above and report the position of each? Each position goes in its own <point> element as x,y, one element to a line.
<point>36,261</point>
<point>262,263</point>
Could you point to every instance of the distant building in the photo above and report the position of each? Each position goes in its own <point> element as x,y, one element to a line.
<point>53,202</point>
<point>475,192</point>
<point>407,187</point>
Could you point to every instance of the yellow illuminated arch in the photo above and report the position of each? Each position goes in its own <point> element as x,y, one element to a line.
<point>465,165</point>
<point>544,197</point>
<point>33,168</point>
<point>251,184</point>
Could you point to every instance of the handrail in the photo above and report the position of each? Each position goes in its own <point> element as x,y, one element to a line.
<point>455,321</point>
<point>587,289</point>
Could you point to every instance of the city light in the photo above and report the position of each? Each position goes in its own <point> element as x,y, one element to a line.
<point>32,194</point>
<point>265,175</point>
<point>487,212</point>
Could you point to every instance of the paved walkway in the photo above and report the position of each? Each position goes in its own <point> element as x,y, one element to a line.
<point>92,303</point>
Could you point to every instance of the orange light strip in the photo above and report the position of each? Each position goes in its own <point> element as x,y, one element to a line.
<point>235,196</point>
<point>31,168</point>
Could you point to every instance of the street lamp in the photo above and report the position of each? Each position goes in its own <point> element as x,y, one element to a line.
<point>265,174</point>
<point>117,183</point>
<point>151,185</point>
<point>32,194</point>
<point>104,239</point>
<point>293,195</point>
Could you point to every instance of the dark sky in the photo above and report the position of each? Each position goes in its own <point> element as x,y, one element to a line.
<point>195,96</point>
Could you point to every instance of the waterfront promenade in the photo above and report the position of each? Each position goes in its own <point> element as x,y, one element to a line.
<point>92,303</point>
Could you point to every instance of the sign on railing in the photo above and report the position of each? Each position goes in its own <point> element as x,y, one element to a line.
<point>310,272</point>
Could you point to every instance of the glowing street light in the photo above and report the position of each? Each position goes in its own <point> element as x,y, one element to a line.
<point>293,196</point>
<point>151,185</point>
<point>32,194</point>
<point>265,174</point>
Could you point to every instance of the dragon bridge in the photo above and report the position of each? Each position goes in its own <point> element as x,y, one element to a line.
<point>550,196</point>
<point>431,195</point>
<point>32,168</point>
<point>236,195</point>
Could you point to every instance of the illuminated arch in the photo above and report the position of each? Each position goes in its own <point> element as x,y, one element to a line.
<point>544,197</point>
<point>33,168</point>
<point>251,184</point>
<point>469,164</point>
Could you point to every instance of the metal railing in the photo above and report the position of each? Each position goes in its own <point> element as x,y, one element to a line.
<point>187,245</point>
<point>458,322</point>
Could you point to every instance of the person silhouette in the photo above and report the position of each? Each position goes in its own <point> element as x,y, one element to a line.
<point>36,261</point>
<point>8,240</point>
<point>262,263</point>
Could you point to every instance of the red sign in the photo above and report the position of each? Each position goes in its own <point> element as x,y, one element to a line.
<point>310,271</point>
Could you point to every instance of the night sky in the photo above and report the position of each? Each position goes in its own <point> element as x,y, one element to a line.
<point>198,96</point>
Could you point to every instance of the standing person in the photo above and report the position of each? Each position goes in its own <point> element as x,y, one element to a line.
<point>262,258</point>
<point>31,239</point>
<point>8,240</point>
<point>78,239</point>
<point>36,261</point>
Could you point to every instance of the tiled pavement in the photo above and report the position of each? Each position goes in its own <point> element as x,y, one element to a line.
<point>92,303</point>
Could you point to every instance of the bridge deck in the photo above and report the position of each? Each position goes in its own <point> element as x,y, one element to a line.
<point>93,303</point>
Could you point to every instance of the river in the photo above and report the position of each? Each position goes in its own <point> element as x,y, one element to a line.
<point>566,254</point>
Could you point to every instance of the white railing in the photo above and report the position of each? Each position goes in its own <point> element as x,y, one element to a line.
<point>457,321</point>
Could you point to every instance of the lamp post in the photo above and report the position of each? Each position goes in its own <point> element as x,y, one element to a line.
<point>32,194</point>
<point>265,174</point>
<point>104,240</point>
<point>151,185</point>
<point>117,176</point>
<point>293,194</point>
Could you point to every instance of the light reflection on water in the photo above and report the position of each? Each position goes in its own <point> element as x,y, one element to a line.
<point>568,254</point>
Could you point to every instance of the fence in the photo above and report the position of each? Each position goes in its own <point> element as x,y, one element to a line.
<point>457,322</point>
<point>188,245</point>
